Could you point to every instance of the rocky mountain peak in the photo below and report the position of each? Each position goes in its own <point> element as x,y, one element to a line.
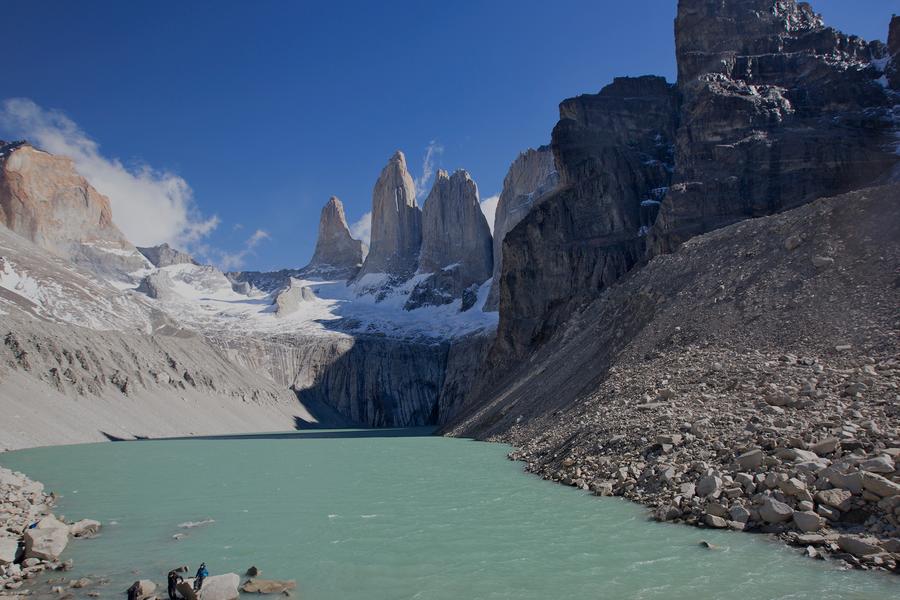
<point>396,222</point>
<point>336,250</point>
<point>45,200</point>
<point>455,231</point>
<point>164,255</point>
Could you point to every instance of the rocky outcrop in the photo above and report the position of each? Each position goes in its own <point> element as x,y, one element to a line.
<point>291,299</point>
<point>27,551</point>
<point>614,152</point>
<point>742,382</point>
<point>456,241</point>
<point>337,254</point>
<point>44,199</point>
<point>455,231</point>
<point>396,223</point>
<point>531,176</point>
<point>166,256</point>
<point>777,110</point>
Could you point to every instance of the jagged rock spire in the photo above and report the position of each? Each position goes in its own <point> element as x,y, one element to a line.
<point>396,222</point>
<point>336,250</point>
<point>454,230</point>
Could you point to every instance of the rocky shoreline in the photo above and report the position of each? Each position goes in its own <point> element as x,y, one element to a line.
<point>32,538</point>
<point>803,447</point>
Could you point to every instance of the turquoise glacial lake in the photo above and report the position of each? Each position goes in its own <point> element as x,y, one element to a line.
<point>397,514</point>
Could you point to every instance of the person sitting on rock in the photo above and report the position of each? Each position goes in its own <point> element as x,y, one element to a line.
<point>202,574</point>
<point>174,579</point>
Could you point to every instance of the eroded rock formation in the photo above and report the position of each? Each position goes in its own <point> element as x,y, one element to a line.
<point>396,222</point>
<point>531,176</point>
<point>46,201</point>
<point>337,254</point>
<point>456,241</point>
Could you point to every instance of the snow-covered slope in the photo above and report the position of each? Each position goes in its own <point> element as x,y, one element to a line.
<point>204,299</point>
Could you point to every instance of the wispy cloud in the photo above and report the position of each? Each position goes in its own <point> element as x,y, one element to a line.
<point>489,208</point>
<point>232,261</point>
<point>150,206</point>
<point>362,229</point>
<point>432,157</point>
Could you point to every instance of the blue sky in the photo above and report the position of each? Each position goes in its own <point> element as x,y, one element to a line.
<point>229,124</point>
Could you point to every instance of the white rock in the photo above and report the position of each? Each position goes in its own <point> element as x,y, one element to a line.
<point>46,543</point>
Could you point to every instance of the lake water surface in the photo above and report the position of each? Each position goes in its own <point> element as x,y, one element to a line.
<point>378,515</point>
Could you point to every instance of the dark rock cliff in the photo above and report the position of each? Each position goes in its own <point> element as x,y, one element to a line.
<point>613,151</point>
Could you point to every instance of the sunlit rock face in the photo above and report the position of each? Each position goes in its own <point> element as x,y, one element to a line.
<point>396,222</point>
<point>45,200</point>
<point>456,241</point>
<point>337,254</point>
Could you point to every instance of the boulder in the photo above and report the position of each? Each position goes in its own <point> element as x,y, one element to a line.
<point>808,521</point>
<point>714,521</point>
<point>773,511</point>
<point>739,514</point>
<point>9,550</point>
<point>46,543</point>
<point>879,464</point>
<point>50,522</point>
<point>268,586</point>
<point>879,485</point>
<point>851,482</point>
<point>84,528</point>
<point>836,498</point>
<point>220,587</point>
<point>708,486</point>
<point>859,546</point>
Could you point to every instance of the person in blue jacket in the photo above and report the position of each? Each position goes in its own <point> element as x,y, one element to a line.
<point>202,574</point>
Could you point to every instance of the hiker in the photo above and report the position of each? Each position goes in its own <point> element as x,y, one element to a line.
<point>174,579</point>
<point>202,574</point>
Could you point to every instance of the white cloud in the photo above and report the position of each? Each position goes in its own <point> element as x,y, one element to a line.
<point>149,206</point>
<point>232,261</point>
<point>362,229</point>
<point>489,208</point>
<point>432,156</point>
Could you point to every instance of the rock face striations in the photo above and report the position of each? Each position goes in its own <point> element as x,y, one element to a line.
<point>44,200</point>
<point>396,223</point>
<point>454,230</point>
<point>456,241</point>
<point>531,176</point>
<point>777,110</point>
<point>337,253</point>
<point>614,153</point>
